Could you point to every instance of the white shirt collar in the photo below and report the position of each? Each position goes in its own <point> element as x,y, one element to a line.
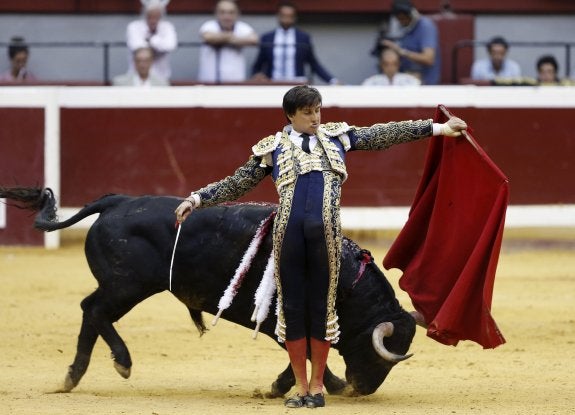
<point>296,138</point>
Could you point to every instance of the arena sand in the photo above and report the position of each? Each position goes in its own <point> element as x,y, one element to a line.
<point>177,372</point>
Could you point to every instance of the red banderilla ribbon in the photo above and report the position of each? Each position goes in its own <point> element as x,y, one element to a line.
<point>366,258</point>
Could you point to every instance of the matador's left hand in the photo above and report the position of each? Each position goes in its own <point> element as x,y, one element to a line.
<point>184,210</point>
<point>453,127</point>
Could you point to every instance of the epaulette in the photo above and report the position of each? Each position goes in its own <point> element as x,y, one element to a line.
<point>333,129</point>
<point>265,146</point>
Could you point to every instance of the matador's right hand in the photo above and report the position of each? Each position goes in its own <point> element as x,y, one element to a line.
<point>184,209</point>
<point>453,127</point>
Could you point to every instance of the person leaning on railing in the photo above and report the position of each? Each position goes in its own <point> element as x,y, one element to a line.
<point>155,32</point>
<point>221,56</point>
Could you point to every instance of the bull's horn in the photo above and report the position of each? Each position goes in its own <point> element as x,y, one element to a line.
<point>385,330</point>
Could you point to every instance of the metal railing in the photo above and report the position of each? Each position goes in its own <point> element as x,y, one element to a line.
<point>106,50</point>
<point>105,47</point>
<point>568,46</point>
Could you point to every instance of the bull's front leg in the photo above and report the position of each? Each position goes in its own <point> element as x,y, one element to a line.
<point>333,384</point>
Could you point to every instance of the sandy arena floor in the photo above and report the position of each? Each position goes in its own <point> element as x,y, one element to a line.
<point>176,372</point>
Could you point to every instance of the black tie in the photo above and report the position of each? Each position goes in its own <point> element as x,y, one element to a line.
<point>305,142</point>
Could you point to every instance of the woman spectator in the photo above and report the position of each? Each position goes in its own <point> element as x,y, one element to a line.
<point>18,53</point>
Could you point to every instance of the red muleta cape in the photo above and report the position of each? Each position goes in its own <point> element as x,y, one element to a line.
<point>449,247</point>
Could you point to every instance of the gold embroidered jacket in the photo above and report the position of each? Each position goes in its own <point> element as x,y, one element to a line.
<point>276,154</point>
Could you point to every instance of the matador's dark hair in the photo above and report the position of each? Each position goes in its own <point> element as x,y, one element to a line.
<point>300,96</point>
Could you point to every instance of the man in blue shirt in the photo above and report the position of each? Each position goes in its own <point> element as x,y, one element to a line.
<point>418,45</point>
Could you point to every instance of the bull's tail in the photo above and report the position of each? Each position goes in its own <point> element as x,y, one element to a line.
<point>43,201</point>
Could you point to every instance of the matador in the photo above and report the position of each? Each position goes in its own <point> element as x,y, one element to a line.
<point>306,161</point>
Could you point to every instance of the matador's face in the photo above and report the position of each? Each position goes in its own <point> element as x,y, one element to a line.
<point>306,119</point>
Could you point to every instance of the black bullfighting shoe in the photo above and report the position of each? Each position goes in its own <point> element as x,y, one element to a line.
<point>295,401</point>
<point>315,401</point>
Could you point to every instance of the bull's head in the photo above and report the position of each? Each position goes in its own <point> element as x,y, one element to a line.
<point>372,358</point>
<point>376,330</point>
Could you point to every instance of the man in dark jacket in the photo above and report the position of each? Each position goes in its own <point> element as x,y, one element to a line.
<point>285,52</point>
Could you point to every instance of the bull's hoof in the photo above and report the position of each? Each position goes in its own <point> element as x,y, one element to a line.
<point>275,392</point>
<point>70,381</point>
<point>349,392</point>
<point>335,385</point>
<point>257,394</point>
<point>122,370</point>
<point>272,395</point>
<point>69,384</point>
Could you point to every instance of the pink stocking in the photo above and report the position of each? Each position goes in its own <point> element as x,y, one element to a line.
<point>319,353</point>
<point>297,351</point>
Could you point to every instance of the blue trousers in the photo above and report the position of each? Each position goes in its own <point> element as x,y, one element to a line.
<point>304,264</point>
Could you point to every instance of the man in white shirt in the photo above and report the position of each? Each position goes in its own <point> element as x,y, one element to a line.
<point>497,65</point>
<point>142,75</point>
<point>389,62</point>
<point>221,56</point>
<point>156,33</point>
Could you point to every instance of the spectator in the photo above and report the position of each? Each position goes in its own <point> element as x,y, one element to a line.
<point>548,72</point>
<point>389,62</point>
<point>18,54</point>
<point>285,51</point>
<point>221,56</point>
<point>547,69</point>
<point>142,76</point>
<point>418,43</point>
<point>153,31</point>
<point>497,65</point>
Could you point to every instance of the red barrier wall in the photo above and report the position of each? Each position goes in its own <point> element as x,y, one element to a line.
<point>174,151</point>
<point>21,164</point>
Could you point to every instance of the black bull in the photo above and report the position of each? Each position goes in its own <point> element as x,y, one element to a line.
<point>129,250</point>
